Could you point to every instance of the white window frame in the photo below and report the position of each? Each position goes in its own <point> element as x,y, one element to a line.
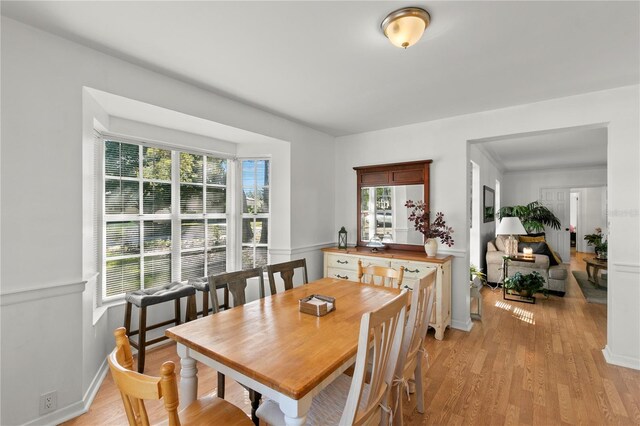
<point>233,214</point>
<point>242,215</point>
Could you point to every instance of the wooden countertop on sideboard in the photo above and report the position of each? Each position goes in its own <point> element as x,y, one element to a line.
<point>390,254</point>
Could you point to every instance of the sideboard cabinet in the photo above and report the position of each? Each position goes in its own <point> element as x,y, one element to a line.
<point>343,264</point>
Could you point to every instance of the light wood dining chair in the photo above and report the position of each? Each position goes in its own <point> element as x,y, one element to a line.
<point>412,351</point>
<point>235,284</point>
<point>352,401</point>
<point>286,270</point>
<point>380,275</point>
<point>135,388</point>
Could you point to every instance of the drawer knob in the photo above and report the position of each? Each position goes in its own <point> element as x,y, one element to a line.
<point>341,277</point>
<point>342,262</point>
<point>413,271</point>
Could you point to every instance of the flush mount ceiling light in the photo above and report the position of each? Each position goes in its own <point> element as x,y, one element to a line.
<point>404,27</point>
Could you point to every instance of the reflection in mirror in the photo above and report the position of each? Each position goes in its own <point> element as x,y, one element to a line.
<point>383,216</point>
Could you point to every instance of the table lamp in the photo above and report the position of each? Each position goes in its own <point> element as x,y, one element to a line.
<point>511,226</point>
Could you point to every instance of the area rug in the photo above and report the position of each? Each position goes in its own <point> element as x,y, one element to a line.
<point>590,292</point>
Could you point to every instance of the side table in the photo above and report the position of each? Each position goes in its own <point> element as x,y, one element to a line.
<point>505,268</point>
<point>594,265</point>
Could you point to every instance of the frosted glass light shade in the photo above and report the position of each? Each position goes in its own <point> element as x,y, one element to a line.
<point>405,27</point>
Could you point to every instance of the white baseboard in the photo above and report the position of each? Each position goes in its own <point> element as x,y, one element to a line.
<point>77,408</point>
<point>462,325</point>
<point>621,360</point>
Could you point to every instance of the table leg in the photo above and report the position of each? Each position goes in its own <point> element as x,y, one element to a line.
<point>188,377</point>
<point>589,272</point>
<point>596,269</point>
<point>295,412</point>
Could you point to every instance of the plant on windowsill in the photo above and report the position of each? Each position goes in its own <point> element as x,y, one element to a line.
<point>437,229</point>
<point>525,285</point>
<point>598,242</point>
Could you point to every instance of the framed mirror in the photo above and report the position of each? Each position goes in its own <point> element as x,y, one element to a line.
<point>488,204</point>
<point>382,192</point>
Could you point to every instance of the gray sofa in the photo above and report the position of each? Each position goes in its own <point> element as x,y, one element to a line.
<point>555,276</point>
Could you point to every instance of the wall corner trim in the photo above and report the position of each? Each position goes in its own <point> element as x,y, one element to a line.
<point>41,292</point>
<point>462,325</point>
<point>621,360</point>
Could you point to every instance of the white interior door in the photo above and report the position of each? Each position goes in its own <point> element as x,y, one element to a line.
<point>557,200</point>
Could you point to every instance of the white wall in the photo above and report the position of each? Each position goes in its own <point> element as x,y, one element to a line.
<point>591,214</point>
<point>524,187</point>
<point>489,173</point>
<point>445,142</point>
<point>57,346</point>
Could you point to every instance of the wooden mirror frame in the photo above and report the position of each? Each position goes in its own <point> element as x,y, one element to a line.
<point>396,174</point>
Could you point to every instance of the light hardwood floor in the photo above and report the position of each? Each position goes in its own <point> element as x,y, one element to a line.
<point>521,364</point>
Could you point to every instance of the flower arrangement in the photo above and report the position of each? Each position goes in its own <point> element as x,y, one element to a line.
<point>437,229</point>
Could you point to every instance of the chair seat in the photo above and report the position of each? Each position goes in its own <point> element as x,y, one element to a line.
<point>326,408</point>
<point>160,294</point>
<point>214,411</point>
<point>200,284</point>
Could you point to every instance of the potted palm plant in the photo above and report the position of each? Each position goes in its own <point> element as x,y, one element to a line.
<point>534,216</point>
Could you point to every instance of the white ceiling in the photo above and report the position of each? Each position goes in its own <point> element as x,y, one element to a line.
<point>327,64</point>
<point>583,147</point>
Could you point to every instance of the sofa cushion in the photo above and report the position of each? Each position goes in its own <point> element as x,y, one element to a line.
<point>556,256</point>
<point>201,283</point>
<point>539,248</point>
<point>558,272</point>
<point>500,242</point>
<point>530,239</point>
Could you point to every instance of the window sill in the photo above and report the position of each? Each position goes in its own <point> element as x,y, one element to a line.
<point>99,311</point>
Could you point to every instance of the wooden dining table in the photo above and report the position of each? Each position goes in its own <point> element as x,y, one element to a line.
<point>273,348</point>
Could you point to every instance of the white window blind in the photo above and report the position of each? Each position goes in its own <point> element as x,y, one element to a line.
<point>164,216</point>
<point>255,212</point>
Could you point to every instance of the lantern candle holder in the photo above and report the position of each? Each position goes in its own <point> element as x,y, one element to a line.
<point>342,238</point>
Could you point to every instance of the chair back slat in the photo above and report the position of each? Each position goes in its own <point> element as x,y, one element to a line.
<point>380,275</point>
<point>379,344</point>
<point>236,285</point>
<point>286,271</point>
<point>418,322</point>
<point>135,387</point>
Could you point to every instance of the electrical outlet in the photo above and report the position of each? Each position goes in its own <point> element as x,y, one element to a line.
<point>48,402</point>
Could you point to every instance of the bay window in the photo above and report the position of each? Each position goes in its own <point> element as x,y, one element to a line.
<point>166,215</point>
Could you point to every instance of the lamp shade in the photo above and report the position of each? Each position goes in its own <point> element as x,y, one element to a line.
<point>511,226</point>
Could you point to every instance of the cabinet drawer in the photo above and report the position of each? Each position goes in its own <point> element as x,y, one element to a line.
<point>342,262</point>
<point>372,261</point>
<point>343,274</point>
<point>415,270</point>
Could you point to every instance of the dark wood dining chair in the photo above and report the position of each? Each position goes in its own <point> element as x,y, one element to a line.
<point>235,283</point>
<point>286,270</point>
<point>202,286</point>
